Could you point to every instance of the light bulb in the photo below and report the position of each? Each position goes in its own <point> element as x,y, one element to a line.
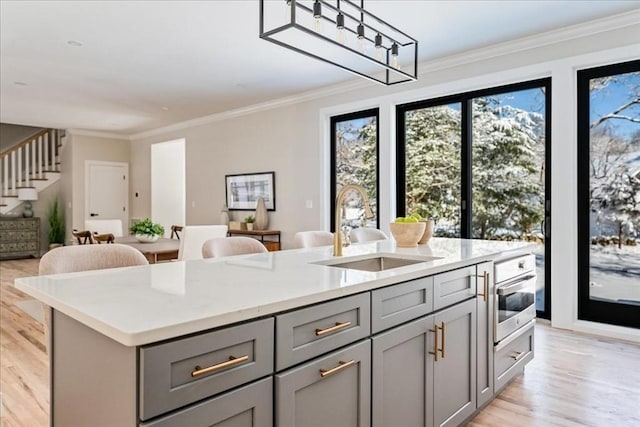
<point>362,47</point>
<point>379,49</point>
<point>394,55</point>
<point>340,28</point>
<point>287,11</point>
<point>317,17</point>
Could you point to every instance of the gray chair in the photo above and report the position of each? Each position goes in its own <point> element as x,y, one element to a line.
<point>365,234</point>
<point>229,246</point>
<point>312,239</point>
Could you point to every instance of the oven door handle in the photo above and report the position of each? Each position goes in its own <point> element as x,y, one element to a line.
<point>515,287</point>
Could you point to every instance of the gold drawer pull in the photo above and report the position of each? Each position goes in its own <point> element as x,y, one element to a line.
<point>229,363</point>
<point>518,355</point>
<point>324,373</point>
<point>336,327</point>
<point>485,286</point>
<point>435,347</point>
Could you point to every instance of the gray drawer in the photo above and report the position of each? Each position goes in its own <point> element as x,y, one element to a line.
<point>453,286</point>
<point>171,373</point>
<point>248,406</point>
<point>309,332</point>
<point>400,303</point>
<point>512,354</point>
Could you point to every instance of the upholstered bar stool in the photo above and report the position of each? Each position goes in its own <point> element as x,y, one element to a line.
<point>229,246</point>
<point>365,234</point>
<point>312,239</point>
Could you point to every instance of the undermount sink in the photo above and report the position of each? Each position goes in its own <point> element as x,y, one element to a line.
<point>376,262</point>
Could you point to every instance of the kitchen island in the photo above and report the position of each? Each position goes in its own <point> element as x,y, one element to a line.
<point>278,338</point>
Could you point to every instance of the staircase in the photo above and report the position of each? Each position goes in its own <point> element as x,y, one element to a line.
<point>33,163</point>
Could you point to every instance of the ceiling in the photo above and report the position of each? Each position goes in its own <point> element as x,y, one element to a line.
<point>143,65</point>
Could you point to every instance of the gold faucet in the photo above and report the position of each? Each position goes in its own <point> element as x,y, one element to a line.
<point>337,235</point>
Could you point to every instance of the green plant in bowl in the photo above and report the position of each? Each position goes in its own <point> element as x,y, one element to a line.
<point>146,230</point>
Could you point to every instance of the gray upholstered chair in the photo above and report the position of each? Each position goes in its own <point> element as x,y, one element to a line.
<point>311,239</point>
<point>365,234</point>
<point>228,246</point>
<point>70,259</point>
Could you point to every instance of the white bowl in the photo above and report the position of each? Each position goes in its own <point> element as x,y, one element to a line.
<point>407,234</point>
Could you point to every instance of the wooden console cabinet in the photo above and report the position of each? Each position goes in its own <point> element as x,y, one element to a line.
<point>19,237</point>
<point>272,243</point>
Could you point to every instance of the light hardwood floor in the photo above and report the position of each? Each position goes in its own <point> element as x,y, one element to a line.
<point>574,380</point>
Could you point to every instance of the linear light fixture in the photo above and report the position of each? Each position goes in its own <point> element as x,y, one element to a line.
<point>342,33</point>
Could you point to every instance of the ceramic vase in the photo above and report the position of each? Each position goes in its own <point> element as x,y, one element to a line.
<point>262,218</point>
<point>428,232</point>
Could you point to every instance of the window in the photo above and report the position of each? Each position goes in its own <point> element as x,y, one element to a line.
<point>609,194</point>
<point>354,160</point>
<point>476,163</point>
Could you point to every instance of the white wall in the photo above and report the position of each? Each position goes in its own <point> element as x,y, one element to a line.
<point>292,140</point>
<point>168,184</point>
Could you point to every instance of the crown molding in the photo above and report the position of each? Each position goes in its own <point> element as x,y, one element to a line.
<point>84,132</point>
<point>500,49</point>
<point>255,108</point>
<point>534,41</point>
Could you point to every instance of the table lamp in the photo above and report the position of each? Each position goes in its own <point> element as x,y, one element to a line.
<point>27,195</point>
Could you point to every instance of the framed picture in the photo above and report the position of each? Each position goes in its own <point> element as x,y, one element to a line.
<point>244,190</point>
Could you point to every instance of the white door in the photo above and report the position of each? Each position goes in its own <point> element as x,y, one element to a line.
<point>107,191</point>
<point>168,184</point>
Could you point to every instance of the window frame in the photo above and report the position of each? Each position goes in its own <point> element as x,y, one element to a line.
<point>334,120</point>
<point>627,315</point>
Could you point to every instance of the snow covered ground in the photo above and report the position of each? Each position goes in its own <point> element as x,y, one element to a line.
<point>615,273</point>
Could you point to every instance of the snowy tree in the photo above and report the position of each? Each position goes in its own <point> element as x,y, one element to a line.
<point>507,167</point>
<point>614,172</point>
<point>432,155</point>
<point>356,162</point>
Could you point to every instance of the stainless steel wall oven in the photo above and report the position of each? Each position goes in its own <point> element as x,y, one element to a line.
<point>515,295</point>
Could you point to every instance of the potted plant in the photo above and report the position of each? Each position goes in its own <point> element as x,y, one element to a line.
<point>250,220</point>
<point>56,225</point>
<point>146,231</point>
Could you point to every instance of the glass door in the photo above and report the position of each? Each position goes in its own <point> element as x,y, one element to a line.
<point>477,163</point>
<point>609,194</point>
<point>509,199</point>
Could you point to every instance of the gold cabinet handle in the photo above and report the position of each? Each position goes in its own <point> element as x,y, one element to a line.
<point>443,335</point>
<point>324,373</point>
<point>229,363</point>
<point>518,355</point>
<point>485,286</point>
<point>435,344</point>
<point>336,327</point>
<point>440,327</point>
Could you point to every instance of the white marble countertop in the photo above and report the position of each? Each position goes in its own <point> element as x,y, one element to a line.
<point>142,305</point>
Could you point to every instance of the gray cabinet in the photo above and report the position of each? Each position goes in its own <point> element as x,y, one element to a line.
<point>512,354</point>
<point>485,302</point>
<point>453,286</point>
<point>333,390</point>
<point>248,406</point>
<point>454,368</point>
<point>402,381</point>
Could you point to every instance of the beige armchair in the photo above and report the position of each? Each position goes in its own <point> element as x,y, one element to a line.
<point>228,246</point>
<point>365,234</point>
<point>311,239</point>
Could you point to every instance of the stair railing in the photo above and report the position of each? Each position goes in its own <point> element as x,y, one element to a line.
<point>29,161</point>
